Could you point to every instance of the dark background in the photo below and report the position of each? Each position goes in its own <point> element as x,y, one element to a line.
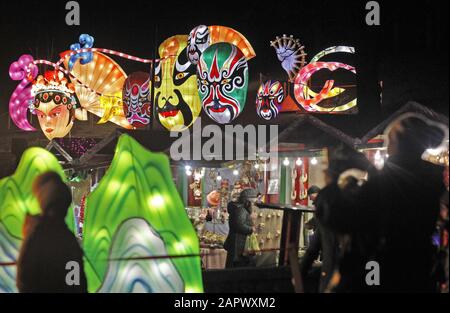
<point>408,52</point>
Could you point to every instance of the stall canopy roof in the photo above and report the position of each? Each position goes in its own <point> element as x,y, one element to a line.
<point>410,107</point>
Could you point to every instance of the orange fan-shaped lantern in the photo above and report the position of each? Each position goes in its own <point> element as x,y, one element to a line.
<point>102,77</point>
<point>227,34</point>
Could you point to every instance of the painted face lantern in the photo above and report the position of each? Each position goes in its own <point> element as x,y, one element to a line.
<point>176,96</point>
<point>54,104</point>
<point>222,81</point>
<point>269,98</point>
<point>136,99</point>
<point>198,40</point>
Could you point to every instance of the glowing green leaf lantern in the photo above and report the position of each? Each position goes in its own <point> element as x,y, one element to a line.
<point>136,212</point>
<point>16,200</point>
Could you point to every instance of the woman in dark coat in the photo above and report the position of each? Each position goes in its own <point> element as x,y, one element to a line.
<point>241,226</point>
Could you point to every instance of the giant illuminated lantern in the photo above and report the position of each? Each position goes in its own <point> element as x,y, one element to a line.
<point>54,104</point>
<point>176,97</point>
<point>310,100</point>
<point>222,81</point>
<point>269,98</point>
<point>134,217</point>
<point>136,99</point>
<point>17,200</point>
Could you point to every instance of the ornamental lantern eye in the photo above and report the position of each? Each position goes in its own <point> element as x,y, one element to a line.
<point>135,90</point>
<point>180,75</point>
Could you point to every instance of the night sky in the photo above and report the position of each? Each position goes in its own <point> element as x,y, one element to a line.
<point>408,52</point>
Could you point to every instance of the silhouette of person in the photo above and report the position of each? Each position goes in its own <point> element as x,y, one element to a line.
<point>49,245</point>
<point>395,213</point>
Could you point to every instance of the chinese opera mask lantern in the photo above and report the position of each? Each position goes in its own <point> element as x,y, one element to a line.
<point>269,98</point>
<point>176,96</point>
<point>136,99</point>
<point>222,81</point>
<point>54,104</point>
<point>198,41</point>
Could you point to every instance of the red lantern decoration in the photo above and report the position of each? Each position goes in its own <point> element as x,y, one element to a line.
<point>137,105</point>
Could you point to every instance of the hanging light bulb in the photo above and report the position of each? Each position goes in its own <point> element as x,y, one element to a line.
<point>187,167</point>
<point>286,162</point>
<point>299,162</point>
<point>188,172</point>
<point>378,160</point>
<point>219,178</point>
<point>235,172</point>
<point>314,161</point>
<point>377,155</point>
<point>197,175</point>
<point>256,166</point>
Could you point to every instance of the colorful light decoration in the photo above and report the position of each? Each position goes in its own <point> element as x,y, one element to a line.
<point>104,77</point>
<point>291,54</point>
<point>309,100</point>
<point>25,71</point>
<point>98,80</point>
<point>202,36</point>
<point>111,106</point>
<point>16,200</point>
<point>86,68</point>
<point>176,97</point>
<point>225,34</point>
<point>135,211</point>
<point>330,50</point>
<point>136,99</point>
<point>86,41</point>
<point>269,98</point>
<point>223,81</point>
<point>76,147</point>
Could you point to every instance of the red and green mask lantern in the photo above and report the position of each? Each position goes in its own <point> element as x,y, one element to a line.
<point>222,74</point>
<point>269,98</point>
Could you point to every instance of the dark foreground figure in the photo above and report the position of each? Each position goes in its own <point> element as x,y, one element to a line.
<point>392,218</point>
<point>49,245</point>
